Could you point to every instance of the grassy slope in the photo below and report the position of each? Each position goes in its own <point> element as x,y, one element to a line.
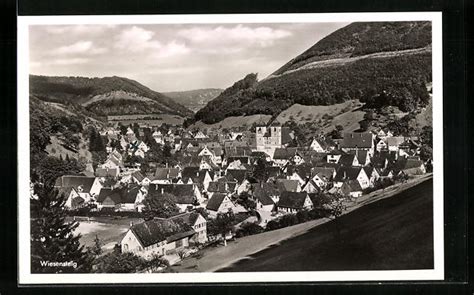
<point>56,149</point>
<point>394,233</point>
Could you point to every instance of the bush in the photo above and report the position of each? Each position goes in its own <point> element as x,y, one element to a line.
<point>248,229</point>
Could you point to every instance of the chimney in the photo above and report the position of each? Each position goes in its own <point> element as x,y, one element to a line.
<point>131,223</point>
<point>344,175</point>
<point>162,190</point>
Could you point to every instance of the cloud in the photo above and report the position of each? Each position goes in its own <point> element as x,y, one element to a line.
<point>261,36</point>
<point>80,47</point>
<point>78,29</point>
<point>70,61</point>
<point>137,39</point>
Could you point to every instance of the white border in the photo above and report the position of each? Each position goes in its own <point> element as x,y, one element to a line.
<point>24,273</point>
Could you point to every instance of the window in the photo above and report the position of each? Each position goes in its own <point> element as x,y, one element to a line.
<point>125,247</point>
<point>179,243</point>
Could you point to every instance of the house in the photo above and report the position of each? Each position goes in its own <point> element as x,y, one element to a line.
<point>186,195</point>
<point>197,222</point>
<point>288,185</point>
<point>349,160</point>
<point>321,176</point>
<point>261,192</point>
<point>393,143</point>
<point>157,236</point>
<point>219,203</point>
<point>351,188</point>
<point>165,175</point>
<point>200,135</point>
<point>137,177</point>
<point>333,157</point>
<point>363,157</point>
<point>73,199</point>
<point>410,166</point>
<point>372,174</point>
<point>319,145</point>
<point>158,137</point>
<point>86,187</point>
<point>358,141</point>
<point>113,162</point>
<point>311,187</point>
<point>107,172</point>
<point>124,199</point>
<point>381,145</point>
<point>222,187</point>
<point>351,173</point>
<point>292,202</point>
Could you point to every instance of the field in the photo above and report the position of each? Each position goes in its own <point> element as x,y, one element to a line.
<point>236,121</point>
<point>149,119</point>
<point>393,233</point>
<point>109,231</point>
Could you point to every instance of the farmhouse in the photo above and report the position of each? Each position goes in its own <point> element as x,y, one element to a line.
<point>157,236</point>
<point>292,202</point>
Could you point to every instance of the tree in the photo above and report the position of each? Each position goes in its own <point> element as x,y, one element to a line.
<point>52,238</point>
<point>50,168</point>
<point>245,200</point>
<point>157,262</point>
<point>160,205</point>
<point>260,172</point>
<point>96,249</point>
<point>117,262</point>
<point>222,224</point>
<point>182,253</point>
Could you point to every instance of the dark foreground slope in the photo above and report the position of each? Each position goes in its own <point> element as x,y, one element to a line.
<point>391,234</point>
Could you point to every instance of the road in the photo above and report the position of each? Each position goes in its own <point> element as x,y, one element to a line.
<point>392,233</point>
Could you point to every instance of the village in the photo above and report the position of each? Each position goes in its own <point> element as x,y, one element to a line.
<point>257,176</point>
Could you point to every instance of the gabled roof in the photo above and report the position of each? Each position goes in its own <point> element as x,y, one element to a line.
<point>215,201</point>
<point>166,173</point>
<point>361,155</point>
<point>158,230</point>
<point>238,175</point>
<point>347,173</point>
<point>287,185</point>
<point>189,218</point>
<point>323,172</point>
<point>105,172</point>
<point>190,172</point>
<point>75,182</point>
<point>138,176</point>
<point>347,159</point>
<point>353,185</point>
<point>359,140</point>
<point>183,193</point>
<point>395,140</point>
<point>265,189</point>
<point>292,200</point>
<point>407,163</point>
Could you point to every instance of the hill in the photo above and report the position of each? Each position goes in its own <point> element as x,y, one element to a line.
<point>105,96</point>
<point>194,99</point>
<point>391,234</point>
<point>379,64</point>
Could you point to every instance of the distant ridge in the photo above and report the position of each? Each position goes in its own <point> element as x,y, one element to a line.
<point>105,96</point>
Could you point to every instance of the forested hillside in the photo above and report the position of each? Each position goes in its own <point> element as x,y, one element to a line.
<point>82,90</point>
<point>380,64</point>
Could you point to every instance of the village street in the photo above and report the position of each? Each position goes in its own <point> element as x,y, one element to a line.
<point>214,258</point>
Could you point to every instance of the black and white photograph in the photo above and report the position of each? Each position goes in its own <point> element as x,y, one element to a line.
<point>231,148</point>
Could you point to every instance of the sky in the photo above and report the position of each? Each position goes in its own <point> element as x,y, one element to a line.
<point>171,57</point>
